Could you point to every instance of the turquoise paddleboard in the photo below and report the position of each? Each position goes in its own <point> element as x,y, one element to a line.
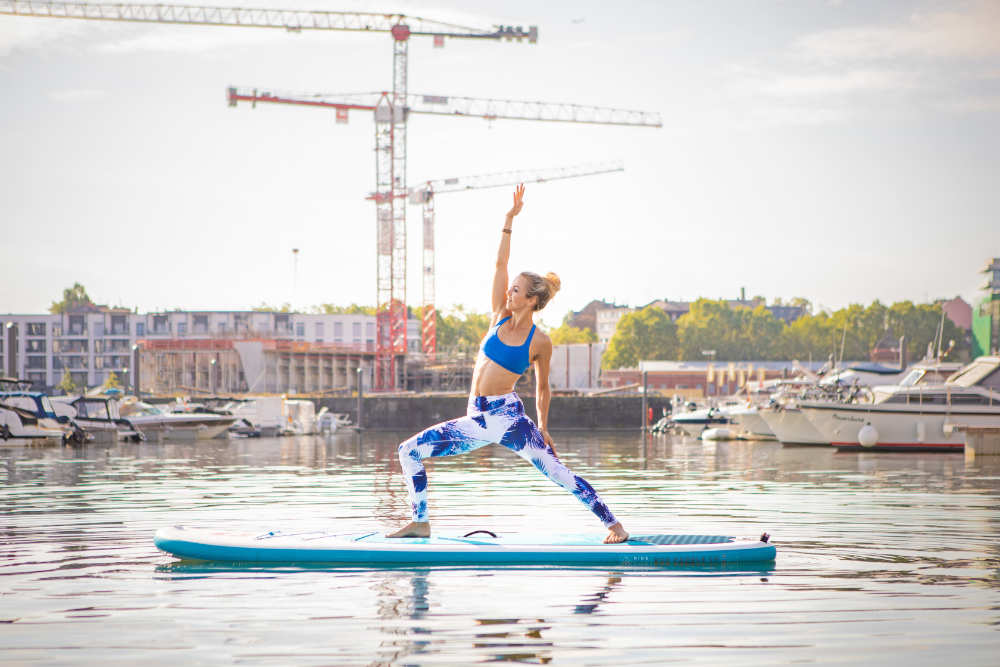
<point>477,548</point>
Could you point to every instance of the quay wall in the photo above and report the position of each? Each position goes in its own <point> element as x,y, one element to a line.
<point>415,413</point>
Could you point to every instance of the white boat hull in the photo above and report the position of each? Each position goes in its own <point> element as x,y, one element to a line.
<point>899,428</point>
<point>792,427</point>
<point>750,424</point>
<point>180,427</point>
<point>13,432</point>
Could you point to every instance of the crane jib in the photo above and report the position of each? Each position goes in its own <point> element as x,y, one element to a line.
<point>292,20</point>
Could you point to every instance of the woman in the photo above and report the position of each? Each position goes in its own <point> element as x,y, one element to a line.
<point>495,413</point>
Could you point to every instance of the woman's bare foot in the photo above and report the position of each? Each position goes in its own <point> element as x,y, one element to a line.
<point>413,529</point>
<point>616,534</point>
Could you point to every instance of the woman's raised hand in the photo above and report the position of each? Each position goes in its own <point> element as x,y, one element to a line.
<point>518,201</point>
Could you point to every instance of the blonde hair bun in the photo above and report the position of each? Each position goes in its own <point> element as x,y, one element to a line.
<point>554,283</point>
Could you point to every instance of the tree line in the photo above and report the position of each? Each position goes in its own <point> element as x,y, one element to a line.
<point>755,334</point>
<point>733,333</point>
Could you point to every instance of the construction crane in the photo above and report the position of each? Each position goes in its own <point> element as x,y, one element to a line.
<point>425,194</point>
<point>441,105</point>
<point>390,120</point>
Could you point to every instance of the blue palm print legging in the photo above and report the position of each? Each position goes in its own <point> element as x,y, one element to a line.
<point>490,419</point>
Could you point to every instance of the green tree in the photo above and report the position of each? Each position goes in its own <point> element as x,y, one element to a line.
<point>66,385</point>
<point>735,334</point>
<point>460,330</point>
<point>264,307</point>
<point>566,334</point>
<point>112,382</point>
<point>642,335</point>
<point>72,296</point>
<point>809,337</point>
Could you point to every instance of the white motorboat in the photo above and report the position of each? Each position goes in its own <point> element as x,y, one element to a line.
<point>331,422</point>
<point>37,409</point>
<point>749,423</point>
<point>262,416</point>
<point>97,415</point>
<point>300,417</point>
<point>693,422</point>
<point>156,422</point>
<point>20,427</point>
<point>791,426</point>
<point>917,416</point>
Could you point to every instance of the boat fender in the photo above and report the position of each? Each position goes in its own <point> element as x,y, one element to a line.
<point>868,435</point>
<point>475,532</point>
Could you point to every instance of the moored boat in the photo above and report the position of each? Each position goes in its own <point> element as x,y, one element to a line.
<point>155,422</point>
<point>915,417</point>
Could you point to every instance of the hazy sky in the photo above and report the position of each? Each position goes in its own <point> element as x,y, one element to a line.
<point>843,151</point>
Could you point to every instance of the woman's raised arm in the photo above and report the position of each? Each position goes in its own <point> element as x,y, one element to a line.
<point>503,256</point>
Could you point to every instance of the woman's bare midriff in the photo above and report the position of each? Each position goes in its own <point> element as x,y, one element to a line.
<point>491,379</point>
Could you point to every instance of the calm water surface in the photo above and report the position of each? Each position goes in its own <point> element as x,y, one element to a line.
<point>881,558</point>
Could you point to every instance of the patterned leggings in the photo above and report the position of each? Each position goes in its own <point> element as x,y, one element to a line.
<point>490,419</point>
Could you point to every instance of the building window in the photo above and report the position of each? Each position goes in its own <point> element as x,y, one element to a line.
<point>160,325</point>
<point>370,330</point>
<point>36,346</point>
<point>201,324</point>
<point>77,325</point>
<point>338,331</point>
<point>36,328</point>
<point>319,331</point>
<point>140,328</point>
<point>119,325</point>
<point>356,331</point>
<point>35,362</point>
<point>300,329</point>
<point>182,328</point>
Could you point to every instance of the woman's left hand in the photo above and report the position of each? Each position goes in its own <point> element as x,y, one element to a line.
<point>548,441</point>
<point>518,201</point>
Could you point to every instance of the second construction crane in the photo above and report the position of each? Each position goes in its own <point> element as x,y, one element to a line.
<point>425,194</point>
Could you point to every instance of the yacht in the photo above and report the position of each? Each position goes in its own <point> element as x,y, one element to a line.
<point>915,415</point>
<point>792,427</point>
<point>155,422</point>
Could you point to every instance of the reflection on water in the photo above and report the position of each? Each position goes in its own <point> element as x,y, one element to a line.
<point>880,556</point>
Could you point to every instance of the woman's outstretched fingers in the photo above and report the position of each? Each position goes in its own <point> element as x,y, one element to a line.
<point>518,200</point>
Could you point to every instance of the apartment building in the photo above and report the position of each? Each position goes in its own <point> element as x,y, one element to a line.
<point>92,342</point>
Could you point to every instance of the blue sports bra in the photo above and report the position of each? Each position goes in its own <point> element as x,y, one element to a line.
<point>514,358</point>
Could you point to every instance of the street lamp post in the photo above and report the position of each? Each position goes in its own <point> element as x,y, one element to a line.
<point>135,369</point>
<point>360,396</point>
